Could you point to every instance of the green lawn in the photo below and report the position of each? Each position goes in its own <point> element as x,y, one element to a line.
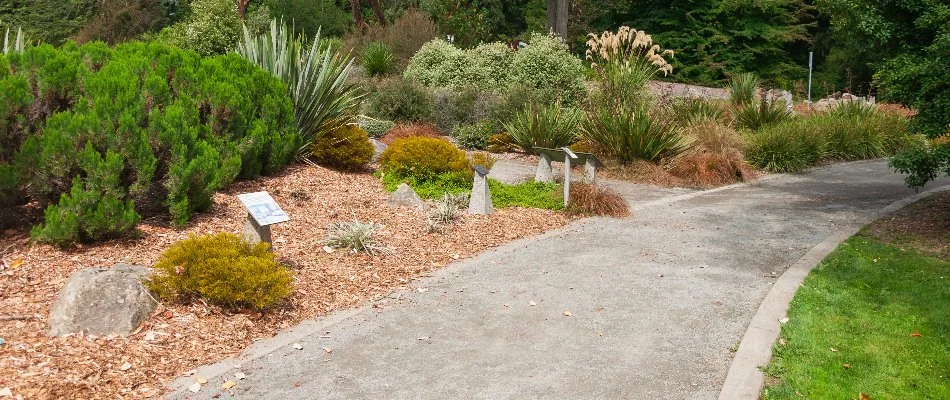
<point>872,318</point>
<point>528,194</point>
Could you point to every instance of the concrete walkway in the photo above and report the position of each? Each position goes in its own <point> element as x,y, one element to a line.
<point>641,308</point>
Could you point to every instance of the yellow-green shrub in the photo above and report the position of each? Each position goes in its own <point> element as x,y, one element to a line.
<point>346,147</point>
<point>424,158</point>
<point>222,269</point>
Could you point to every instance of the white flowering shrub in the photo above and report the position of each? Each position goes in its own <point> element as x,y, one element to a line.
<point>545,64</point>
<point>212,27</point>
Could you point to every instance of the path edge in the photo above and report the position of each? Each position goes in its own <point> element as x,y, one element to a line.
<point>745,380</point>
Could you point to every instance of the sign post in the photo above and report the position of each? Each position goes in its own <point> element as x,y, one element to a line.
<point>262,212</point>
<point>810,54</point>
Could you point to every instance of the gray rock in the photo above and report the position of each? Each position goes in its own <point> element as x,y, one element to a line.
<point>379,148</point>
<point>404,196</point>
<point>102,301</point>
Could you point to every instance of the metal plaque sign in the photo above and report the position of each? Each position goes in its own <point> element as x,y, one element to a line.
<point>263,208</point>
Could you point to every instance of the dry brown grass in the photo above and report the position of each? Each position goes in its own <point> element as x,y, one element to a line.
<point>593,199</point>
<point>709,169</point>
<point>404,36</point>
<point>411,129</point>
<point>714,137</point>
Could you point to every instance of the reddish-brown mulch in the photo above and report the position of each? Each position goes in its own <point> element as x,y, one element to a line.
<point>178,338</point>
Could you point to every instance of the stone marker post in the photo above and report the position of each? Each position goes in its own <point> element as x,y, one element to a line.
<point>590,171</point>
<point>262,212</point>
<point>480,200</point>
<point>254,232</point>
<point>544,174</point>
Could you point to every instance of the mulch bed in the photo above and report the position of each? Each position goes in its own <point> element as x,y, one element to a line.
<point>180,337</point>
<point>924,226</point>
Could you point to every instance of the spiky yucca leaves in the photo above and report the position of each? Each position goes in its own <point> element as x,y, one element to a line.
<point>315,76</point>
<point>628,135</point>
<point>742,89</point>
<point>548,126</point>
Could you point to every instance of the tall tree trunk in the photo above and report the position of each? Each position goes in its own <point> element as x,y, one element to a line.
<point>357,13</point>
<point>563,11</point>
<point>558,13</point>
<point>242,7</point>
<point>379,12</point>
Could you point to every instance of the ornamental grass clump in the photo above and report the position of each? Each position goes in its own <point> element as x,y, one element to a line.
<point>624,61</point>
<point>594,199</point>
<point>355,236</point>
<point>628,136</point>
<point>548,126</point>
<point>221,269</point>
<point>378,59</point>
<point>742,88</point>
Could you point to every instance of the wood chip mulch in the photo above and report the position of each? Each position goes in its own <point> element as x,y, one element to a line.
<point>178,338</point>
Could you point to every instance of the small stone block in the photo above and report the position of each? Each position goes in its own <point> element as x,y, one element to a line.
<point>255,233</point>
<point>544,173</point>
<point>480,200</point>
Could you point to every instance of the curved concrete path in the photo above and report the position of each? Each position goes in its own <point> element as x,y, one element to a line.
<point>655,304</point>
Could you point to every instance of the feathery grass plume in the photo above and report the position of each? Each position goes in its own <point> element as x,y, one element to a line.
<point>315,76</point>
<point>17,44</point>
<point>742,89</point>
<point>625,61</point>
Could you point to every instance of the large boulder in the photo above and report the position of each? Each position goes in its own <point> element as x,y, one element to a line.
<point>102,301</point>
<point>404,196</point>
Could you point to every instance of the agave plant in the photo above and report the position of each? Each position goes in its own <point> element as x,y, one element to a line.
<point>315,76</point>
<point>548,126</point>
<point>633,135</point>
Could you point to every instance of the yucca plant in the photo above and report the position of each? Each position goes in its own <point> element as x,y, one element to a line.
<point>742,89</point>
<point>548,126</point>
<point>315,76</point>
<point>633,135</point>
<point>378,59</point>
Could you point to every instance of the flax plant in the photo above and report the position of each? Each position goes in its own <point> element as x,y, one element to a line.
<point>315,76</point>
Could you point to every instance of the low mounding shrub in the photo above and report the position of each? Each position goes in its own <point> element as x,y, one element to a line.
<point>924,162</point>
<point>424,157</point>
<point>548,126</point>
<point>346,147</point>
<point>788,147</point>
<point>375,128</point>
<point>411,130</point>
<point>632,135</point>
<point>377,59</point>
<point>355,236</point>
<point>153,125</point>
<point>222,269</point>
<point>400,100</point>
<point>211,27</point>
<point>474,137</point>
<point>466,106</point>
<point>594,199</point>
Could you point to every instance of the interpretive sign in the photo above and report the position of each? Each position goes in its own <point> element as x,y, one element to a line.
<point>263,208</point>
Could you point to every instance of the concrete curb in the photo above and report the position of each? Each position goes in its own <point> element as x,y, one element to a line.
<point>745,379</point>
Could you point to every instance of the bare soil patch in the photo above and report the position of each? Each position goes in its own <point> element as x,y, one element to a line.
<point>178,338</point>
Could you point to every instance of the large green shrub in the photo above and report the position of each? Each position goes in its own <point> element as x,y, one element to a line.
<point>222,269</point>
<point>153,126</point>
<point>475,136</point>
<point>925,162</point>
<point>211,27</point>
<point>400,100</point>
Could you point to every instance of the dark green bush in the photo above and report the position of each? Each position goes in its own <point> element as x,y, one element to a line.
<point>400,100</point>
<point>222,269</point>
<point>925,162</point>
<point>346,147</point>
<point>154,126</point>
